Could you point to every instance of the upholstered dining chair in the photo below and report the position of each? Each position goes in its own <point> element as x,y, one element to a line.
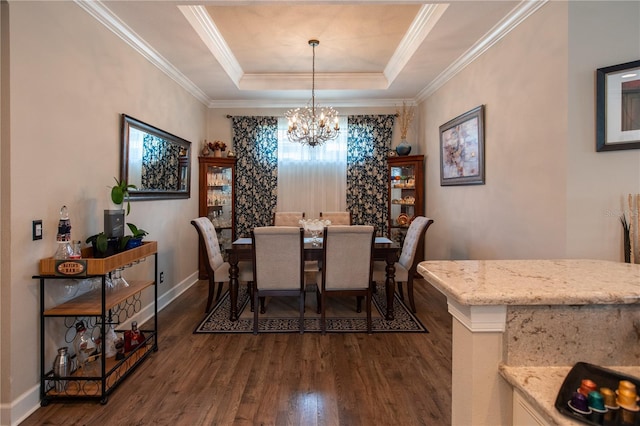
<point>278,266</point>
<point>347,266</point>
<point>412,254</point>
<point>337,218</point>
<point>287,218</point>
<point>217,268</point>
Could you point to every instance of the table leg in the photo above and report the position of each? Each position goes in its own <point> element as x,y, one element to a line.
<point>233,285</point>
<point>390,285</point>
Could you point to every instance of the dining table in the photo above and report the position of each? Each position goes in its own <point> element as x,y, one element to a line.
<point>384,250</point>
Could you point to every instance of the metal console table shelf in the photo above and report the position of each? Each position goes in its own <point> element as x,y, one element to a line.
<point>100,305</point>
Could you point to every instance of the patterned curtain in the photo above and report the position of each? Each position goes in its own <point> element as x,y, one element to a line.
<point>255,140</point>
<point>160,167</point>
<point>368,144</point>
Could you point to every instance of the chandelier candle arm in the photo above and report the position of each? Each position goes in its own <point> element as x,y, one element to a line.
<point>305,126</point>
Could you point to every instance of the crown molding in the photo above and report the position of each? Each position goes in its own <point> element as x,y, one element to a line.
<point>106,17</point>
<point>501,29</point>
<point>293,103</point>
<point>427,17</point>
<point>202,23</point>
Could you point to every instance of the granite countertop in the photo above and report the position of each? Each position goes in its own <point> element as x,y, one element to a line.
<point>535,282</point>
<point>540,386</point>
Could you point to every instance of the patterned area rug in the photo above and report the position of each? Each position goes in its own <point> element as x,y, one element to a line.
<point>282,315</point>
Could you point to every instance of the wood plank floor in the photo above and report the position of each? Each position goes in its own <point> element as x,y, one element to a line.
<point>279,379</point>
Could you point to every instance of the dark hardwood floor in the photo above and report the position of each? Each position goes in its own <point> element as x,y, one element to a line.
<point>279,379</point>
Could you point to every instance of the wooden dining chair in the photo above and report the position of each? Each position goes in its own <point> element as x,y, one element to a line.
<point>347,266</point>
<point>412,254</point>
<point>278,266</point>
<point>337,218</point>
<point>287,218</point>
<point>217,268</point>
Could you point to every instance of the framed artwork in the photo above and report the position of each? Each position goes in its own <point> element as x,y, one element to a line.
<point>462,149</point>
<point>618,107</point>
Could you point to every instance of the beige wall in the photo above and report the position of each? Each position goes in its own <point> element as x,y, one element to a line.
<point>601,34</point>
<point>71,80</point>
<point>547,191</point>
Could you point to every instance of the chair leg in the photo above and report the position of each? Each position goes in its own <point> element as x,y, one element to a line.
<point>219,291</point>
<point>262,308</point>
<point>358,304</point>
<point>302,311</point>
<point>250,290</point>
<point>323,325</point>
<point>410,294</point>
<point>369,325</point>
<point>212,290</point>
<point>400,291</point>
<point>255,312</point>
<point>318,301</point>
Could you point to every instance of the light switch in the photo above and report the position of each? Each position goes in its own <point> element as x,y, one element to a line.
<point>37,230</point>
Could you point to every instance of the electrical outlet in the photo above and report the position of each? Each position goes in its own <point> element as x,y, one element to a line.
<point>36,229</point>
<point>161,277</point>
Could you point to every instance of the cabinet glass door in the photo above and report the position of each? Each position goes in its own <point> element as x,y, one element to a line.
<point>406,189</point>
<point>403,199</point>
<point>220,203</point>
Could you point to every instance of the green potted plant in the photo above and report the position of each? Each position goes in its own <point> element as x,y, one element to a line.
<point>114,219</point>
<point>135,239</point>
<point>103,246</point>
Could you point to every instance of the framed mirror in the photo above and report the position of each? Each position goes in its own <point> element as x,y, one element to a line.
<point>156,162</point>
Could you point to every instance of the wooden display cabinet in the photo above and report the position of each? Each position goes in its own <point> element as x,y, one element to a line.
<point>217,201</point>
<point>406,193</point>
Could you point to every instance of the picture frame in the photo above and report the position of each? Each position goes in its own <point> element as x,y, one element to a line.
<point>618,107</point>
<point>462,149</point>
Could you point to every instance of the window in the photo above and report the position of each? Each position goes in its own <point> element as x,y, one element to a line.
<point>312,179</point>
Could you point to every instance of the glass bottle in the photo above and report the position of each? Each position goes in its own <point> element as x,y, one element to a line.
<point>83,345</point>
<point>63,238</point>
<point>110,342</point>
<point>77,250</point>
<point>132,338</point>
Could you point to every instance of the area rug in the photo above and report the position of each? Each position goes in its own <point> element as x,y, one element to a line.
<point>282,315</point>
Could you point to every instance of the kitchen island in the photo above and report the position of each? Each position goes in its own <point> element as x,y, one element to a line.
<point>511,316</point>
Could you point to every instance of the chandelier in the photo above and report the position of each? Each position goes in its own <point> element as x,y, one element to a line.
<point>312,125</point>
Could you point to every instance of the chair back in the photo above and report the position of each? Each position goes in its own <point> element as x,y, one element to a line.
<point>278,257</point>
<point>208,242</point>
<point>287,218</point>
<point>413,246</point>
<point>337,218</point>
<point>347,257</point>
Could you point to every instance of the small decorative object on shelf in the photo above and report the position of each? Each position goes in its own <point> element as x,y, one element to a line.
<point>132,338</point>
<point>403,148</point>
<point>205,149</point>
<point>405,117</point>
<point>62,368</point>
<point>83,345</point>
<point>110,341</point>
<point>64,250</point>
<point>217,147</point>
